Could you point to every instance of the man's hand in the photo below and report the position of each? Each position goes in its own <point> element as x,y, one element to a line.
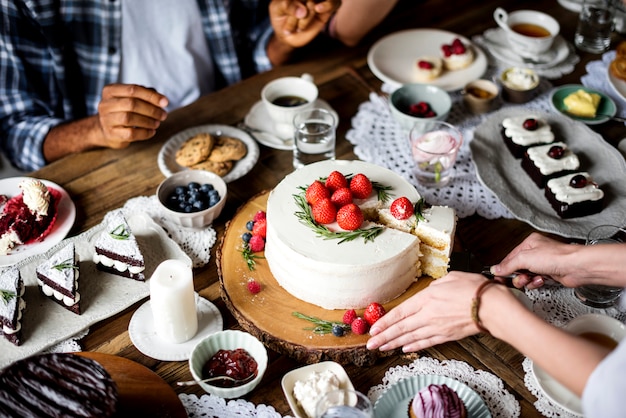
<point>296,23</point>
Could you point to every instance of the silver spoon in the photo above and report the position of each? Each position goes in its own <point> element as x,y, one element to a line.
<point>267,135</point>
<point>214,378</point>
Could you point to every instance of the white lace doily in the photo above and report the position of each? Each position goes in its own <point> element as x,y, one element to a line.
<point>501,402</point>
<point>566,66</point>
<point>597,78</point>
<point>543,404</point>
<point>214,406</point>
<point>378,139</point>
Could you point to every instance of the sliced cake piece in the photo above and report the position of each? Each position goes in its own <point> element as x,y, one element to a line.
<point>57,278</point>
<point>117,251</point>
<point>11,304</point>
<point>574,195</point>
<point>545,162</point>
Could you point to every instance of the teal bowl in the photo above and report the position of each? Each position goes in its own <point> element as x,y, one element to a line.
<point>402,98</point>
<point>606,108</point>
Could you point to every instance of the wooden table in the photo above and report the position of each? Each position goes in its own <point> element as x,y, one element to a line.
<point>102,180</point>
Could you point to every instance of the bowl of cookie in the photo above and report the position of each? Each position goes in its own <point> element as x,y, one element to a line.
<point>192,198</point>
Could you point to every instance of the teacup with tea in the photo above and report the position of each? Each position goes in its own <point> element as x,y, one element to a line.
<point>285,97</point>
<point>529,32</point>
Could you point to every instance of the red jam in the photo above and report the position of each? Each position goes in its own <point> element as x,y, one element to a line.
<point>238,364</point>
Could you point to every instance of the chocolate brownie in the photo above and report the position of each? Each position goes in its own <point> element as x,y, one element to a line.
<point>521,132</point>
<point>574,195</point>
<point>545,162</point>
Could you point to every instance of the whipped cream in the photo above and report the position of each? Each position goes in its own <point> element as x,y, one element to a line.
<point>36,196</point>
<point>8,241</point>
<point>563,192</point>
<point>514,129</point>
<point>548,165</point>
<point>520,79</point>
<point>308,392</point>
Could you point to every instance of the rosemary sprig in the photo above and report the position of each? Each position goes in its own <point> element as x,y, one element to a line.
<point>306,218</point>
<point>418,210</point>
<point>322,326</point>
<point>67,264</point>
<point>7,295</point>
<point>120,232</point>
<point>250,257</point>
<point>382,191</point>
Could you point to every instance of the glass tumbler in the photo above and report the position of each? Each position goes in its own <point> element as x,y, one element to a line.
<point>344,403</point>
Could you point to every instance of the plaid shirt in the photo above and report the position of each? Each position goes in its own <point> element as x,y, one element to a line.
<point>57,55</point>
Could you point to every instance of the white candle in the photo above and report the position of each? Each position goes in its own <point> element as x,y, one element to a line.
<point>173,302</point>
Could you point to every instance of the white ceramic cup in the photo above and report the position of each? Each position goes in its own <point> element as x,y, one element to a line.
<point>522,32</point>
<point>282,115</point>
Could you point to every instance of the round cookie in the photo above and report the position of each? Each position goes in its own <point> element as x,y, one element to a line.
<point>228,149</point>
<point>195,150</point>
<point>221,168</point>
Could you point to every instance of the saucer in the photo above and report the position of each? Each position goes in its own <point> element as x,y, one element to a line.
<point>258,118</point>
<point>606,107</point>
<point>556,392</point>
<point>560,48</point>
<point>144,336</point>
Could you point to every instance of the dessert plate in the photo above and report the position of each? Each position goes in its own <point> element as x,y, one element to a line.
<point>258,118</point>
<point>167,155</point>
<point>501,173</point>
<point>393,58</point>
<point>144,336</point>
<point>618,85</point>
<point>606,107</point>
<point>394,402</point>
<point>66,214</point>
<point>300,374</point>
<point>556,392</point>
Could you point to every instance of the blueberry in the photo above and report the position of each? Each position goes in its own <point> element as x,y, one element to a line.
<point>206,187</point>
<point>338,330</point>
<point>213,200</point>
<point>246,237</point>
<point>180,190</point>
<point>188,208</point>
<point>250,225</point>
<point>193,186</point>
<point>199,205</point>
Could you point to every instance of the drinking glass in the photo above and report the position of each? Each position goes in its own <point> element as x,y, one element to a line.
<point>595,25</point>
<point>434,147</point>
<point>344,403</point>
<point>314,137</point>
<point>599,296</point>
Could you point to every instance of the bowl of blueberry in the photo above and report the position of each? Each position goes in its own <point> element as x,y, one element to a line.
<point>192,198</point>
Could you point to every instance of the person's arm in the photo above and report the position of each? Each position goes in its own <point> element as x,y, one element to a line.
<point>356,18</point>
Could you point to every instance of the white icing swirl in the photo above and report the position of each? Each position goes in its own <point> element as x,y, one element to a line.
<point>548,165</point>
<point>513,128</point>
<point>36,196</point>
<point>568,194</point>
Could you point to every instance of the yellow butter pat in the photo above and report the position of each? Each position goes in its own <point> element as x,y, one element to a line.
<point>582,103</point>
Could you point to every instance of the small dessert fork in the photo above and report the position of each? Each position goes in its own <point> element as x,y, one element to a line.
<point>215,378</point>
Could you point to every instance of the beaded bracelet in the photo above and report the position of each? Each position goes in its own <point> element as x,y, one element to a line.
<point>476,305</point>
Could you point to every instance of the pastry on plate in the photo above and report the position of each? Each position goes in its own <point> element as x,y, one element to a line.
<point>545,162</point>
<point>11,304</point>
<point>457,55</point>
<point>521,132</point>
<point>57,278</point>
<point>428,68</point>
<point>574,195</point>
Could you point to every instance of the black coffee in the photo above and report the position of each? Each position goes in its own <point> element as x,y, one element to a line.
<point>289,101</point>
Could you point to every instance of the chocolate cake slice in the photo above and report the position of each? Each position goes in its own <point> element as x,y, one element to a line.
<point>11,304</point>
<point>57,278</point>
<point>117,251</point>
<point>57,385</point>
<point>521,132</point>
<point>574,195</point>
<point>545,162</point>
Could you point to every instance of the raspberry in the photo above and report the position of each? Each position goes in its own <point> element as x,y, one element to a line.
<point>359,326</point>
<point>324,211</point>
<point>447,50</point>
<point>335,180</point>
<point>401,208</point>
<point>349,316</point>
<point>373,313</point>
<point>253,286</point>
<point>315,192</point>
<point>259,215</point>
<point>260,228</point>
<point>425,65</point>
<point>257,243</point>
<point>350,217</point>
<point>360,186</point>
<point>341,197</point>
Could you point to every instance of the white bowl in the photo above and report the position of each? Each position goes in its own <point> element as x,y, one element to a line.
<point>400,100</point>
<point>228,340</point>
<point>289,380</point>
<point>198,219</point>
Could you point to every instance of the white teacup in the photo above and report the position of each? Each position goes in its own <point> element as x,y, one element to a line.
<point>529,32</point>
<point>285,97</point>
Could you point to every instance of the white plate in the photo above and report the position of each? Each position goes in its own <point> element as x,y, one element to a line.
<point>393,58</point>
<point>289,381</point>
<point>618,85</point>
<point>167,154</point>
<point>501,173</point>
<point>561,48</point>
<point>556,392</point>
<point>103,295</point>
<point>394,402</point>
<point>258,118</point>
<point>144,336</point>
<point>572,5</point>
<point>66,214</point>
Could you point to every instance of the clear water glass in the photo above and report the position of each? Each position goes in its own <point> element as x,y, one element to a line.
<point>434,148</point>
<point>344,403</point>
<point>314,137</point>
<point>595,26</point>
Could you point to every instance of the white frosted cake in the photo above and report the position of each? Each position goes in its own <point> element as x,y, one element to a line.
<point>332,273</point>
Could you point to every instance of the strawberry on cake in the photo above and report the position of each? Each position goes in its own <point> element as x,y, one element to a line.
<point>29,216</point>
<point>339,255</point>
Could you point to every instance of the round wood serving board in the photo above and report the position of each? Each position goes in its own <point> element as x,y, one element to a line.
<point>268,315</point>
<point>141,391</point>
